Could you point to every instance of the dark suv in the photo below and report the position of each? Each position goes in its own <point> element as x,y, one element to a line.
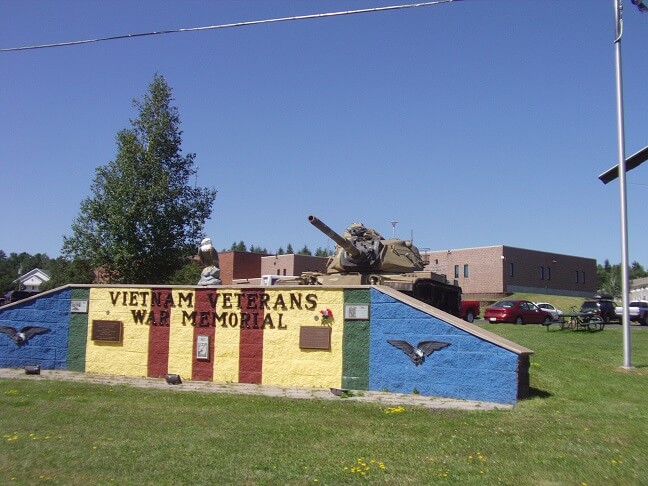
<point>604,307</point>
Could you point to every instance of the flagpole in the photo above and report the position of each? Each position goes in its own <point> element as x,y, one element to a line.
<point>625,321</point>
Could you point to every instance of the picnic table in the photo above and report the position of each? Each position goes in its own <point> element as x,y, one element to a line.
<point>576,320</point>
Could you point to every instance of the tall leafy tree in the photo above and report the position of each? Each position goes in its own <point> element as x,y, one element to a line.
<point>637,271</point>
<point>144,218</point>
<point>63,271</point>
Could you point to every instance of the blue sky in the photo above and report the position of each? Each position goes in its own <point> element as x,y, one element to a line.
<point>473,123</point>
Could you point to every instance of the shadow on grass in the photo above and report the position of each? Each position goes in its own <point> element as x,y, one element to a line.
<point>536,393</point>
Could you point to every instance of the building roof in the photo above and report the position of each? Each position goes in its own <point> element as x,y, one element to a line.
<point>35,275</point>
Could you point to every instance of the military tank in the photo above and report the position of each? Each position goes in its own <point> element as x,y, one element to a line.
<point>364,257</point>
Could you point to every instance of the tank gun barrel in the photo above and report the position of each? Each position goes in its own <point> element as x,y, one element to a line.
<point>344,243</point>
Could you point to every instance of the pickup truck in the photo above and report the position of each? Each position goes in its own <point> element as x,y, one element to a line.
<point>469,310</point>
<point>637,312</point>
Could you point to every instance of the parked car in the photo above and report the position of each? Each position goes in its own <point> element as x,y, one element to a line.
<point>603,306</point>
<point>556,314</point>
<point>637,312</point>
<point>517,311</point>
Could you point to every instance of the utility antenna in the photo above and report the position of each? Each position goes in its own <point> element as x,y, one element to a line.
<point>394,223</point>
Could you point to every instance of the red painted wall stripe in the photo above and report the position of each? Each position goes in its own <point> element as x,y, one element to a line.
<point>202,369</point>
<point>251,340</point>
<point>158,345</point>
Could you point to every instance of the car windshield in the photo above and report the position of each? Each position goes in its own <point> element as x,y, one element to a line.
<point>545,306</point>
<point>504,303</point>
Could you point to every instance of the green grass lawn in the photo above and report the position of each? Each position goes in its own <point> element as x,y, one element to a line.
<point>586,424</point>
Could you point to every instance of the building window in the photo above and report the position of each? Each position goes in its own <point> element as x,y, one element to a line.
<point>511,272</point>
<point>466,271</point>
<point>583,277</point>
<point>542,273</point>
<point>436,261</point>
<point>456,271</point>
<point>577,276</point>
<point>548,273</point>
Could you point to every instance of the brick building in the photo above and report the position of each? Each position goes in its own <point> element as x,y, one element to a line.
<point>490,271</point>
<point>239,265</point>
<point>242,267</point>
<point>498,270</point>
<point>292,264</point>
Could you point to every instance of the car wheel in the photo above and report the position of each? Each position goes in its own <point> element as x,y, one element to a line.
<point>518,320</point>
<point>547,321</point>
<point>470,317</point>
<point>606,319</point>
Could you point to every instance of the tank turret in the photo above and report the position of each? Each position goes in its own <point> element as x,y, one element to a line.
<point>364,250</point>
<point>363,256</point>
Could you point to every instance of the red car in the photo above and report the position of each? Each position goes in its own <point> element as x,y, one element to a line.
<point>517,311</point>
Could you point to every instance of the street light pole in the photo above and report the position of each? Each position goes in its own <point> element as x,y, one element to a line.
<point>625,320</point>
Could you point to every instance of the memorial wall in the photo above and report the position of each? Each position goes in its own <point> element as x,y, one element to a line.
<point>359,338</point>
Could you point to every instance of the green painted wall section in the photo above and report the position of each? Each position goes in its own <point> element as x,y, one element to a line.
<point>78,334</point>
<point>355,368</point>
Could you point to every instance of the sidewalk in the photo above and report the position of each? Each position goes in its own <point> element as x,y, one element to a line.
<point>382,398</point>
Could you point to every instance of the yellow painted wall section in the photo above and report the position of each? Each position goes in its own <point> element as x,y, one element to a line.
<point>181,335</point>
<point>226,352</point>
<point>284,363</point>
<point>130,357</point>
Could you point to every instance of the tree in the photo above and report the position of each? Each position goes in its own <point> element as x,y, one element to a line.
<point>289,249</point>
<point>258,249</point>
<point>323,252</point>
<point>64,271</point>
<point>305,251</point>
<point>637,271</point>
<point>144,219</point>
<point>189,274</point>
<point>240,246</point>
<point>16,265</point>
<point>609,278</point>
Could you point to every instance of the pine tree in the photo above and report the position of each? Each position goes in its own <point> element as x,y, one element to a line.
<point>144,219</point>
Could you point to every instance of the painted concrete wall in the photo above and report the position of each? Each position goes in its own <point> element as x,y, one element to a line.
<point>253,336</point>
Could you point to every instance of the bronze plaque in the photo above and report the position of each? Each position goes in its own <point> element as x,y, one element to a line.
<point>315,337</point>
<point>107,331</point>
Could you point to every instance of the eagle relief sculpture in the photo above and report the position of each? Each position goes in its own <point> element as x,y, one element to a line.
<point>24,335</point>
<point>208,257</point>
<point>419,352</point>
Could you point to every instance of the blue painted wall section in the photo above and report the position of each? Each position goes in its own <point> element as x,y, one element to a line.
<point>470,368</point>
<point>49,350</point>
